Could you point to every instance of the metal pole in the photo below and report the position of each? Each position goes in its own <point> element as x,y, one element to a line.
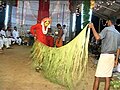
<point>22,12</point>
<point>63,14</point>
<point>99,25</point>
<point>70,30</point>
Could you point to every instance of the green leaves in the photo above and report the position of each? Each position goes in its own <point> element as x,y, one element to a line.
<point>64,65</point>
<point>86,10</point>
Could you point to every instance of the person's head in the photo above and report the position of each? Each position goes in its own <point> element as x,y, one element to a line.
<point>59,26</point>
<point>9,28</point>
<point>3,28</point>
<point>46,21</point>
<point>111,21</point>
<point>15,28</point>
<point>64,26</point>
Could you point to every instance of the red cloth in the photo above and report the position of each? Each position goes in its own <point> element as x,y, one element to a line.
<point>71,5</point>
<point>43,10</point>
<point>50,41</point>
<point>36,31</point>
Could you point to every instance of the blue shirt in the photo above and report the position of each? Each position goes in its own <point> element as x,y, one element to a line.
<point>110,39</point>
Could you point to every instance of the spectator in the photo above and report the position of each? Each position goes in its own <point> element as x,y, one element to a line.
<point>4,38</point>
<point>16,36</point>
<point>64,34</point>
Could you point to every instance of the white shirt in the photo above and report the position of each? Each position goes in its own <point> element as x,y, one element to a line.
<point>2,32</point>
<point>8,34</point>
<point>15,34</point>
<point>64,34</point>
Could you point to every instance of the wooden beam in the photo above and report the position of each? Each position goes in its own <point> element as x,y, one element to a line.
<point>100,15</point>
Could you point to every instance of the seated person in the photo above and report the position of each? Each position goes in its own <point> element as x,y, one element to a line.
<point>31,39</point>
<point>11,40</point>
<point>4,38</point>
<point>16,36</point>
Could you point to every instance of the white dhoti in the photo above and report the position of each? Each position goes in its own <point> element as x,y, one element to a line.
<point>1,43</point>
<point>18,40</point>
<point>105,65</point>
<point>6,42</point>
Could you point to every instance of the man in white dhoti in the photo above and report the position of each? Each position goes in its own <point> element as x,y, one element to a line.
<point>5,40</point>
<point>11,40</point>
<point>110,41</point>
<point>16,36</point>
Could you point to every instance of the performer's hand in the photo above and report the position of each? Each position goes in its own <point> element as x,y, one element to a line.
<point>91,25</point>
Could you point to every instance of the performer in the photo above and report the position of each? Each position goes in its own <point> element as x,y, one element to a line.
<point>40,30</point>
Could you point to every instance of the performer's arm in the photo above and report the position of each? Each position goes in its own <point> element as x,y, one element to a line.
<point>33,30</point>
<point>97,36</point>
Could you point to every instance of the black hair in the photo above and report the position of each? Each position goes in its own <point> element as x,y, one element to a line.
<point>64,25</point>
<point>112,19</point>
<point>58,25</point>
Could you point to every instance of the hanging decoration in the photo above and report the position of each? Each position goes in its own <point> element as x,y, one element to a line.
<point>100,5</point>
<point>92,4</point>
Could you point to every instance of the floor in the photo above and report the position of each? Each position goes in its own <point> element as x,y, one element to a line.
<point>17,73</point>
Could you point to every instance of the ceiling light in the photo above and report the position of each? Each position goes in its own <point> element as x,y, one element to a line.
<point>100,6</point>
<point>113,1</point>
<point>108,3</point>
<point>97,9</point>
<point>100,2</point>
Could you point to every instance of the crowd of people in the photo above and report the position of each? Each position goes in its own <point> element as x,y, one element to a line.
<point>9,37</point>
